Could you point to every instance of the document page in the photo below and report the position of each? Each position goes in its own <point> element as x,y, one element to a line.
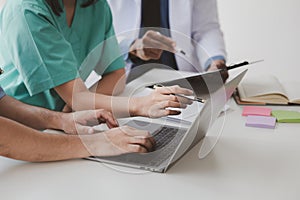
<point>292,91</point>
<point>187,115</point>
<point>256,86</point>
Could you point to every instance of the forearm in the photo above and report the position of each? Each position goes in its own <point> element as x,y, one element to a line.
<point>35,117</point>
<point>23,143</point>
<point>78,97</point>
<point>119,106</point>
<point>112,83</point>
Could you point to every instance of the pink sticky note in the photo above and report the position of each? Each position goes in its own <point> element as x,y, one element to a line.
<point>261,121</point>
<point>256,110</point>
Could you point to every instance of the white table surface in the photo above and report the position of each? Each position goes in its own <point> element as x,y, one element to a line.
<point>246,163</point>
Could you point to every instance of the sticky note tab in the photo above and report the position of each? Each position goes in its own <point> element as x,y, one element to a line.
<point>256,110</point>
<point>261,121</point>
<point>286,116</point>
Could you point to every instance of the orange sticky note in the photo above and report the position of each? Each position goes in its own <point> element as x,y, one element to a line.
<point>256,110</point>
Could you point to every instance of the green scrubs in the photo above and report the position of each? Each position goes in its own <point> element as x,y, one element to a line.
<point>39,51</point>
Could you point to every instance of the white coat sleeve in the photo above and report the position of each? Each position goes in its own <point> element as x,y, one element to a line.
<point>206,31</point>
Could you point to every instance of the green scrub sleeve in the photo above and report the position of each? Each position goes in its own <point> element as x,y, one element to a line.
<point>111,58</point>
<point>42,56</point>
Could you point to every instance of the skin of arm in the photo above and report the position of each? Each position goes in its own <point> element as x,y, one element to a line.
<point>41,118</point>
<point>23,143</point>
<point>112,83</point>
<point>78,97</point>
<point>35,117</point>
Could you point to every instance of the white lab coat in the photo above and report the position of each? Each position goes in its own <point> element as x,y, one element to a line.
<point>194,26</point>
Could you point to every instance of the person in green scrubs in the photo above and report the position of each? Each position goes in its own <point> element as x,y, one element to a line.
<point>49,48</point>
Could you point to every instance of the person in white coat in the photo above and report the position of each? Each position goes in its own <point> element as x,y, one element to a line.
<point>191,39</point>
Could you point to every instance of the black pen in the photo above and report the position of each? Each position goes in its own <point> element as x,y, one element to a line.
<point>242,64</point>
<point>178,95</point>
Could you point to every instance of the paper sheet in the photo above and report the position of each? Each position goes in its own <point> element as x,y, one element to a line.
<point>188,115</point>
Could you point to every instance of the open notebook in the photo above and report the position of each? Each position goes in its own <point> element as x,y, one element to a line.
<point>267,89</point>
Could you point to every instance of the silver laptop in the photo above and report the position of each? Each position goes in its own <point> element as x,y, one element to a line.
<point>172,142</point>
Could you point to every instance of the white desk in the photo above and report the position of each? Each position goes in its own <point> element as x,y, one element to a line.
<point>247,163</point>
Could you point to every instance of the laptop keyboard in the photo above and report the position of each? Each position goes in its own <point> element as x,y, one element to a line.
<point>163,136</point>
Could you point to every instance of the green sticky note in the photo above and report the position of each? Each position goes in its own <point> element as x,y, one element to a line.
<point>285,116</point>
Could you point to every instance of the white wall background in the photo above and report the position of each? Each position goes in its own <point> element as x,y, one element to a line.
<point>263,29</point>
